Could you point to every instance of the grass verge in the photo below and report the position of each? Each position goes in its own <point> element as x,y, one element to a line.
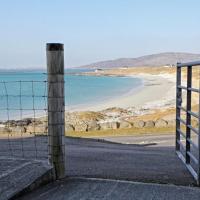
<point>122,132</point>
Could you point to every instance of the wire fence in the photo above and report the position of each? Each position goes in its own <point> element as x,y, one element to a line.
<point>23,115</point>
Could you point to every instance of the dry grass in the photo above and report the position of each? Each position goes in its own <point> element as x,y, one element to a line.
<point>158,114</point>
<point>135,71</point>
<point>122,132</point>
<point>88,115</point>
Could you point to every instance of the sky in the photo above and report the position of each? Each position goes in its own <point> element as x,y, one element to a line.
<point>95,30</point>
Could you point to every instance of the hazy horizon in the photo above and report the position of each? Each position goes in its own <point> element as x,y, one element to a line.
<point>94,31</point>
<point>74,67</point>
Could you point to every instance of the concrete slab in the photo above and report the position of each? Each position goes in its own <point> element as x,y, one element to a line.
<point>91,189</point>
<point>19,174</point>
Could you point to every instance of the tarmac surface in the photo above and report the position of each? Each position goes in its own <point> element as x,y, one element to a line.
<point>96,189</point>
<point>150,162</point>
<point>149,140</point>
<point>146,159</point>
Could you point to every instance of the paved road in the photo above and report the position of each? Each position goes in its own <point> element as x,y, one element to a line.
<point>150,159</point>
<point>137,162</point>
<point>151,140</point>
<point>154,161</point>
<point>91,189</point>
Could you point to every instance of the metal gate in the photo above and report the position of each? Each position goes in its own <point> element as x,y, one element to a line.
<point>187,132</point>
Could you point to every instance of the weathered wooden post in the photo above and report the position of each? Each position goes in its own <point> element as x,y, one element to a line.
<point>56,107</point>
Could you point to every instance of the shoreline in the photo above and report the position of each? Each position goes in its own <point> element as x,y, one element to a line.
<point>140,97</point>
<point>137,99</point>
<point>106,102</point>
<point>150,107</point>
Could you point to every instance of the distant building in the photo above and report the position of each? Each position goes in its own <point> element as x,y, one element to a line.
<point>125,67</point>
<point>170,65</point>
<point>98,70</point>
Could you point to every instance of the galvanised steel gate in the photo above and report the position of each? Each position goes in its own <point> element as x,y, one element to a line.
<point>187,132</point>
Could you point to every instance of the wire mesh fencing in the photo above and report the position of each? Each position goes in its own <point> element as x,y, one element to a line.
<point>23,115</point>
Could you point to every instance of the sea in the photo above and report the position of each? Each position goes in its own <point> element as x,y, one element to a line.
<point>24,93</point>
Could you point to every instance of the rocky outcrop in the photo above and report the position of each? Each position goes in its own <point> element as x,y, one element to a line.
<point>160,123</point>
<point>23,122</point>
<point>18,129</point>
<point>36,129</point>
<point>111,118</point>
<point>171,123</point>
<point>114,125</point>
<point>149,124</point>
<point>115,112</point>
<point>69,127</point>
<point>125,124</point>
<point>4,130</point>
<point>139,124</point>
<point>105,126</point>
<point>109,125</point>
<point>93,126</point>
<point>82,126</point>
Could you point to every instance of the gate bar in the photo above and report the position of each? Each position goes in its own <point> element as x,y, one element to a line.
<point>187,156</point>
<point>178,104</point>
<point>188,117</point>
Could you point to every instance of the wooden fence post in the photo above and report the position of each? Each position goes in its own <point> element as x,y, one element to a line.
<point>56,107</point>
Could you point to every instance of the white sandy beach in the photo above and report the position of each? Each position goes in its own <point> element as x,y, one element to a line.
<point>157,91</point>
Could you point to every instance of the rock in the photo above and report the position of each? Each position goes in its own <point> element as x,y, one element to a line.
<point>86,116</point>
<point>171,123</point>
<point>18,129</point>
<point>139,124</point>
<point>160,123</point>
<point>105,126</point>
<point>10,123</point>
<point>109,125</point>
<point>27,121</point>
<point>37,122</point>
<point>149,124</point>
<point>82,126</point>
<point>23,122</point>
<point>37,129</point>
<point>124,124</point>
<point>114,112</point>
<point>114,125</point>
<point>69,127</point>
<point>93,126</point>
<point>4,130</point>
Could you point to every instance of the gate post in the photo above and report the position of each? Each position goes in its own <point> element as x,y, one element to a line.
<point>56,107</point>
<point>178,103</point>
<point>199,141</point>
<point>188,115</point>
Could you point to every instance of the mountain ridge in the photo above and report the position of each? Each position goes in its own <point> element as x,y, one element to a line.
<point>153,60</point>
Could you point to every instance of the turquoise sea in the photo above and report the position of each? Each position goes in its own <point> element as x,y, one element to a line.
<point>23,93</point>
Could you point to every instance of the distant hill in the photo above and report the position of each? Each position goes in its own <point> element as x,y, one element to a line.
<point>153,60</point>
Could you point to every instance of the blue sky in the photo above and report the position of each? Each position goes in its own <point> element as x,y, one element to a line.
<point>95,30</point>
